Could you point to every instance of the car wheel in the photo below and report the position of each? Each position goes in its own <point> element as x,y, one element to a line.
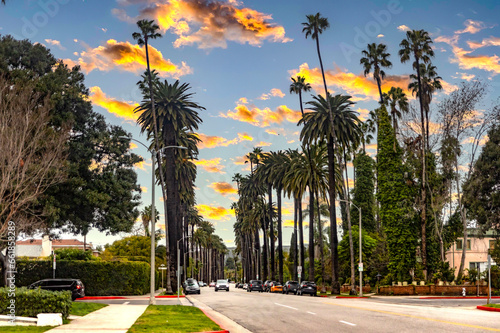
<point>199,292</point>
<point>227,289</point>
<point>216,290</point>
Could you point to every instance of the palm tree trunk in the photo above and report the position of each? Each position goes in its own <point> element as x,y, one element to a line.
<point>271,230</point>
<point>379,84</point>
<point>334,241</point>
<point>424,172</point>
<point>311,234</point>
<point>301,237</point>
<point>280,237</point>
<point>264,251</point>
<point>351,245</point>
<point>320,238</point>
<point>295,261</point>
<point>300,100</point>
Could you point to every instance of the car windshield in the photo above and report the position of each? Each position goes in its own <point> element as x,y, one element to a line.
<point>192,283</point>
<point>221,281</point>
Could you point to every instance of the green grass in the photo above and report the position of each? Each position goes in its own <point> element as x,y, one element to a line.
<point>83,308</point>
<point>173,319</point>
<point>493,306</point>
<point>33,329</point>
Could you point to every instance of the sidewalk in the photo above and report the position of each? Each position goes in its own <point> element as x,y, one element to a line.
<point>113,318</point>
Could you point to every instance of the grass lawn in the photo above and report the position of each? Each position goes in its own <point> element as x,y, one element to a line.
<point>493,306</point>
<point>83,308</point>
<point>33,329</point>
<point>173,319</point>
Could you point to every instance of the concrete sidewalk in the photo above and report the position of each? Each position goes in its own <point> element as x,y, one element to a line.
<point>113,318</point>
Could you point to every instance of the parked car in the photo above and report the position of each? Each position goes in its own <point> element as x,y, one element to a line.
<point>307,287</point>
<point>277,288</point>
<point>241,285</point>
<point>74,285</point>
<point>202,284</point>
<point>212,284</point>
<point>191,287</point>
<point>222,285</point>
<point>245,286</point>
<point>265,285</point>
<point>255,285</point>
<point>290,287</point>
<point>270,284</point>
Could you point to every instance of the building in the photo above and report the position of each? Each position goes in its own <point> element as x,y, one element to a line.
<point>36,248</point>
<point>477,248</point>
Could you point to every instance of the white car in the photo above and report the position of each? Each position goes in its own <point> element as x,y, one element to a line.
<point>222,285</point>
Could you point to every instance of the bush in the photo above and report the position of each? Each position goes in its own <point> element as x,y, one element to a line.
<point>101,278</point>
<point>73,254</point>
<point>29,303</point>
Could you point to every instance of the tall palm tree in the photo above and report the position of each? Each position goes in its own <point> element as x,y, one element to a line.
<point>317,127</point>
<point>396,99</point>
<point>175,114</point>
<point>146,216</point>
<point>430,83</point>
<point>418,44</point>
<point>376,57</point>
<point>297,87</point>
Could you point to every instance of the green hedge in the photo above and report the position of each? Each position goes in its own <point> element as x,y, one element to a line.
<point>29,303</point>
<point>101,278</point>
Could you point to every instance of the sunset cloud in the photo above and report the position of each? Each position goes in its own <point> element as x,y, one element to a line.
<point>128,57</point>
<point>264,144</point>
<point>214,213</point>
<point>465,60</point>
<point>403,28</point>
<point>240,160</point>
<point>210,24</point>
<point>472,27</point>
<point>263,117</point>
<point>275,92</point>
<point>208,141</point>
<point>491,41</point>
<point>213,165</point>
<point>144,189</point>
<point>118,108</point>
<point>223,188</point>
<point>142,165</point>
<point>55,43</point>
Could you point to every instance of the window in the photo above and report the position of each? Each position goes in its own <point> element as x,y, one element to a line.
<point>460,244</point>
<point>492,243</point>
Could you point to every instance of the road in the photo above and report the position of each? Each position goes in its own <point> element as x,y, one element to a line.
<point>264,312</point>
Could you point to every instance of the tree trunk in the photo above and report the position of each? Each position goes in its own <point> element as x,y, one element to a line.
<point>295,261</point>
<point>320,238</point>
<point>271,230</point>
<point>351,245</point>
<point>301,237</point>
<point>379,84</point>
<point>311,234</point>
<point>334,241</point>
<point>264,251</point>
<point>280,238</point>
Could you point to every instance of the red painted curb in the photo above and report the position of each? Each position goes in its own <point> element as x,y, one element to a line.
<point>170,296</point>
<point>212,319</point>
<point>459,297</point>
<point>351,297</point>
<point>487,308</point>
<point>100,297</point>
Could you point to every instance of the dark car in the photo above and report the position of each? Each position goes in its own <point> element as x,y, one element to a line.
<point>290,287</point>
<point>191,286</point>
<point>265,286</point>
<point>222,285</point>
<point>74,285</point>
<point>307,287</point>
<point>255,285</point>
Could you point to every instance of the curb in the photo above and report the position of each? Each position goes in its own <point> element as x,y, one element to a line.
<point>458,297</point>
<point>487,308</point>
<point>170,296</point>
<point>357,297</point>
<point>100,297</point>
<point>212,319</point>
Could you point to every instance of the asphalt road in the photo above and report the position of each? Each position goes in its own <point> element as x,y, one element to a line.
<point>264,312</point>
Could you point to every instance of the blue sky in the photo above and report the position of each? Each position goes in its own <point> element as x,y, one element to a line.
<point>238,58</point>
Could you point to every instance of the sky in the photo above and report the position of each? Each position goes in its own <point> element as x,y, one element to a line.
<point>238,57</point>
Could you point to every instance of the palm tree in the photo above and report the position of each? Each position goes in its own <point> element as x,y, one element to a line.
<point>146,216</point>
<point>418,44</point>
<point>317,127</point>
<point>254,157</point>
<point>396,99</point>
<point>375,57</point>
<point>297,87</point>
<point>430,83</point>
<point>175,114</point>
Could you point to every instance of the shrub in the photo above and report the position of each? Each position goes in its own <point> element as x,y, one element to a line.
<point>101,278</point>
<point>29,303</point>
<point>73,254</point>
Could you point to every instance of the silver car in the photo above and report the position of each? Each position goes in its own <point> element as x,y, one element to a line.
<point>222,285</point>
<point>191,287</point>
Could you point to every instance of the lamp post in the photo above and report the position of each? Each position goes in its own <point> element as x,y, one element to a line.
<point>162,268</point>
<point>153,214</point>
<point>360,250</point>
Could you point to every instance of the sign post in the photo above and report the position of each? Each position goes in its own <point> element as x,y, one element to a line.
<point>360,268</point>
<point>162,268</point>
<point>53,264</point>
<point>299,272</point>
<point>489,279</point>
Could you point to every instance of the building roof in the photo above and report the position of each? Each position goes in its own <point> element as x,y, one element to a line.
<point>55,242</point>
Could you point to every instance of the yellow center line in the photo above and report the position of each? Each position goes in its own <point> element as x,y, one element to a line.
<point>416,317</point>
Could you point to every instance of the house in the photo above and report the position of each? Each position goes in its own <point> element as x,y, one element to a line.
<point>477,247</point>
<point>36,248</point>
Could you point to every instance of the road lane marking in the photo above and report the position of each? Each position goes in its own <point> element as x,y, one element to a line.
<point>126,303</point>
<point>286,306</point>
<point>311,312</point>
<point>416,317</point>
<point>348,323</point>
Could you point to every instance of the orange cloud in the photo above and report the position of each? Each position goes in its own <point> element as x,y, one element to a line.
<point>275,92</point>
<point>263,117</point>
<point>359,86</point>
<point>214,213</point>
<point>465,60</point>
<point>142,165</point>
<point>212,165</point>
<point>472,27</point>
<point>210,24</point>
<point>208,141</point>
<point>403,28</point>
<point>223,188</point>
<point>263,144</point>
<point>127,57</point>
<point>243,100</point>
<point>55,43</point>
<point>471,139</point>
<point>119,108</point>
<point>491,41</point>
<point>240,160</point>
<point>144,189</point>
<point>364,114</point>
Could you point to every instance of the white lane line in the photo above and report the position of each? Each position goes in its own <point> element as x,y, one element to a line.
<point>286,306</point>
<point>311,312</point>
<point>345,322</point>
<point>126,303</point>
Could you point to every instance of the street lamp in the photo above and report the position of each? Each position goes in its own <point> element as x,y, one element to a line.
<point>153,214</point>
<point>360,250</point>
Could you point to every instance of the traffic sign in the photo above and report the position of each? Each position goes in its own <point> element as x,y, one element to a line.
<point>360,267</point>
<point>299,269</point>
<point>299,275</point>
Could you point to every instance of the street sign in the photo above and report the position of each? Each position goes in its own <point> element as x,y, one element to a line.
<point>489,261</point>
<point>360,267</point>
<point>299,275</point>
<point>162,268</point>
<point>299,269</point>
